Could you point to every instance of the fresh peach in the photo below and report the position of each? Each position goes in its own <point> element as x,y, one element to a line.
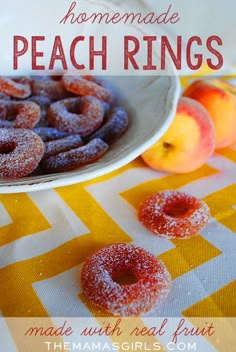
<point>219,98</point>
<point>187,143</point>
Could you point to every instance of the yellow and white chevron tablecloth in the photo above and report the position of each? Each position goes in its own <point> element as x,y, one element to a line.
<point>45,237</point>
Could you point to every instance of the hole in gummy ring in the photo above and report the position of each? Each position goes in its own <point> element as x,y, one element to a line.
<point>74,108</point>
<point>7,148</point>
<point>12,113</point>
<point>179,209</point>
<point>124,278</point>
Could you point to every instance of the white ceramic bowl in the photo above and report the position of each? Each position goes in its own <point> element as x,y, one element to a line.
<point>150,102</point>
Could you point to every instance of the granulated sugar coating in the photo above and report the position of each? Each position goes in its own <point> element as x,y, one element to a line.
<point>116,124</point>
<point>173,214</point>
<point>61,145</point>
<point>20,152</point>
<point>16,88</point>
<point>76,157</point>
<point>26,113</point>
<point>50,88</point>
<point>81,115</point>
<point>150,289</point>
<point>87,85</point>
<point>66,112</point>
<point>49,133</point>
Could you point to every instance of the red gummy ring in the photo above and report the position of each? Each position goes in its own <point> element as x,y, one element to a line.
<point>82,115</point>
<point>173,214</point>
<point>15,87</point>
<point>44,103</point>
<point>76,157</point>
<point>4,96</point>
<point>116,124</point>
<point>87,85</point>
<point>49,133</point>
<point>50,88</point>
<point>58,146</point>
<point>26,113</point>
<point>20,152</point>
<point>100,269</point>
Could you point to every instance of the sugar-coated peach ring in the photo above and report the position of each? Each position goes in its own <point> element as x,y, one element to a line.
<point>99,283</point>
<point>49,133</point>
<point>4,96</point>
<point>49,87</point>
<point>87,85</point>
<point>15,87</point>
<point>57,146</point>
<point>21,114</point>
<point>173,214</point>
<point>81,115</point>
<point>116,124</point>
<point>20,152</point>
<point>44,103</point>
<point>75,157</point>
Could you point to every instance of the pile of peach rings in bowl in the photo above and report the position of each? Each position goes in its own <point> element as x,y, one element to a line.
<point>51,124</point>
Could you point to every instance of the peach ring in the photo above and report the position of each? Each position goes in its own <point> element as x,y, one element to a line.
<point>15,87</point>
<point>116,124</point>
<point>20,152</point>
<point>87,85</point>
<point>173,214</point>
<point>75,157</point>
<point>49,87</point>
<point>58,146</point>
<point>99,283</point>
<point>82,115</point>
<point>49,133</point>
<point>21,114</point>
